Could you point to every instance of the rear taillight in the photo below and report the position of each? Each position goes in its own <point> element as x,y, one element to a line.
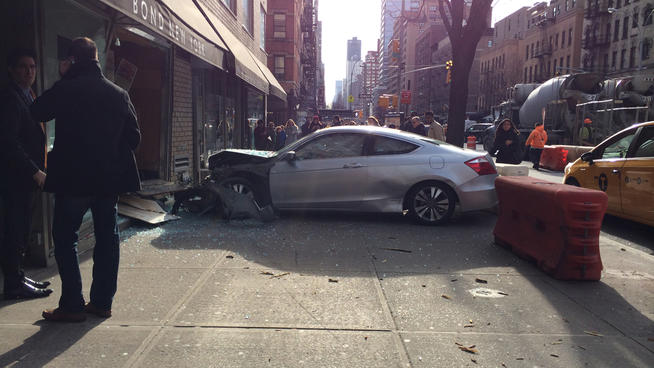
<point>482,166</point>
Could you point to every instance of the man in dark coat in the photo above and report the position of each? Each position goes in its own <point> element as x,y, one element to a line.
<point>92,161</point>
<point>22,159</point>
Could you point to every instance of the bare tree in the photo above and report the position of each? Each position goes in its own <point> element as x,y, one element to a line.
<point>464,37</point>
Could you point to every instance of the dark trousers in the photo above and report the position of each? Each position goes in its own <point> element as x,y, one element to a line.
<point>17,222</point>
<point>68,214</point>
<point>534,155</point>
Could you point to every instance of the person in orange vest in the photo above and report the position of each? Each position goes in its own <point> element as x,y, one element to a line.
<point>536,141</point>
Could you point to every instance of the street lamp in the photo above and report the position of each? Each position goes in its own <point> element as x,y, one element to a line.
<point>640,35</point>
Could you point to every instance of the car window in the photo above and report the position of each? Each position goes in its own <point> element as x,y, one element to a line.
<point>332,146</point>
<point>645,143</point>
<point>619,148</point>
<point>390,146</point>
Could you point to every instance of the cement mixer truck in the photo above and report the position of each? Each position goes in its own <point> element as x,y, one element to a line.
<point>564,102</point>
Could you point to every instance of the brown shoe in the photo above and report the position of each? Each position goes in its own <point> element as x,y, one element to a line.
<point>92,309</point>
<point>57,315</point>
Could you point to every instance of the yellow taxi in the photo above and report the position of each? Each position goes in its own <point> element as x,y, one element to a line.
<point>623,167</point>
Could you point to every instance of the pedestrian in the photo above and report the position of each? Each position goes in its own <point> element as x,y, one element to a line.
<point>292,131</point>
<point>336,121</point>
<point>91,163</point>
<point>22,164</point>
<point>271,136</point>
<point>372,121</point>
<point>305,127</point>
<point>260,136</point>
<point>536,141</point>
<point>436,130</point>
<point>417,126</point>
<point>280,138</point>
<point>315,124</point>
<point>586,133</point>
<point>506,146</point>
<point>406,126</point>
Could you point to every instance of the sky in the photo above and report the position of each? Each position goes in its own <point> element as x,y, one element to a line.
<point>344,19</point>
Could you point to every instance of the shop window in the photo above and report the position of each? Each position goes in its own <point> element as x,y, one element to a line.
<point>61,24</point>
<point>279,25</point>
<point>616,30</point>
<point>634,22</point>
<point>632,57</point>
<point>280,67</point>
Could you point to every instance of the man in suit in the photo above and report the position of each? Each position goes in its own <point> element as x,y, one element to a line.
<point>22,159</point>
<point>92,161</point>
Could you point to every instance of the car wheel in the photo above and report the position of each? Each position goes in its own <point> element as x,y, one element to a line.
<point>572,181</point>
<point>239,185</point>
<point>431,203</point>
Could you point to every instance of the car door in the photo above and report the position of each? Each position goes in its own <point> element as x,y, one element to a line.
<point>605,172</point>
<point>328,172</point>
<point>638,178</point>
<point>391,169</point>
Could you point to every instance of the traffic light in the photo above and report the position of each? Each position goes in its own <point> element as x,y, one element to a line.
<point>395,50</point>
<point>448,66</point>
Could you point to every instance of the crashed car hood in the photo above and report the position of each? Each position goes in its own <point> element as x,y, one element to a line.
<point>230,157</point>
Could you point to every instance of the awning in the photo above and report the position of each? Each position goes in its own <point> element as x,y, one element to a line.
<point>246,66</point>
<point>275,88</point>
<point>179,22</point>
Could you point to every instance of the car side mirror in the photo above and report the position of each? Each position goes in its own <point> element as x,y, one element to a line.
<point>588,157</point>
<point>288,156</point>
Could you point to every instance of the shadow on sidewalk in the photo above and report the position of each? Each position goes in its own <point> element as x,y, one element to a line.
<point>51,340</point>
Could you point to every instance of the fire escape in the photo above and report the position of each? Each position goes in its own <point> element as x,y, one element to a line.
<point>597,35</point>
<point>309,59</point>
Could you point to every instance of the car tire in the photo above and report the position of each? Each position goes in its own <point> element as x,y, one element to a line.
<point>573,182</point>
<point>239,185</point>
<point>431,203</point>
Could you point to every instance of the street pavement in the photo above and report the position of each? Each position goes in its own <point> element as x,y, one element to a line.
<point>342,290</point>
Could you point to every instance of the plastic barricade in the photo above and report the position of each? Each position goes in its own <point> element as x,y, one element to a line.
<point>554,158</point>
<point>471,143</point>
<point>512,170</point>
<point>574,152</point>
<point>556,225</point>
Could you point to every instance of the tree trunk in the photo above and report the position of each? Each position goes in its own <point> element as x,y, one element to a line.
<point>462,60</point>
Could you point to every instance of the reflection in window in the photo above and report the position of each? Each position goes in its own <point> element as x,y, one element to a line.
<point>390,146</point>
<point>332,146</point>
<point>619,148</point>
<point>645,145</point>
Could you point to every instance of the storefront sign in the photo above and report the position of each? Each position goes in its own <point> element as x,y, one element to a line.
<point>160,19</point>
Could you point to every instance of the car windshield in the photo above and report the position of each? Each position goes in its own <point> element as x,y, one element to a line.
<point>292,146</point>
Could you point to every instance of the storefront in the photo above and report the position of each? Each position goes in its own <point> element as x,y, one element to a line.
<point>196,88</point>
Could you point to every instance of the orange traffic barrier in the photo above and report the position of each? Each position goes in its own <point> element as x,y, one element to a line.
<point>556,225</point>
<point>554,158</point>
<point>471,142</point>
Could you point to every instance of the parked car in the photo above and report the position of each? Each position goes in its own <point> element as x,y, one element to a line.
<point>364,169</point>
<point>483,132</point>
<point>623,167</point>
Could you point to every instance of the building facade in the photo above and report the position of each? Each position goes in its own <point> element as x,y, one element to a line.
<point>196,74</point>
<point>617,37</point>
<point>501,64</point>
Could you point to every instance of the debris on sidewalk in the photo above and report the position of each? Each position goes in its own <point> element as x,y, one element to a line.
<point>470,324</point>
<point>280,275</point>
<point>146,210</point>
<point>333,280</point>
<point>557,342</point>
<point>230,257</point>
<point>397,250</point>
<point>593,333</point>
<point>453,280</point>
<point>554,355</point>
<point>266,273</point>
<point>468,349</point>
<point>444,296</point>
<point>481,281</point>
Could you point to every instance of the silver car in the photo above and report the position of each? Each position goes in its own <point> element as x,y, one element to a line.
<point>366,169</point>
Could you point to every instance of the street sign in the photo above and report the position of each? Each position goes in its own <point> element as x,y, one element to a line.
<point>350,98</point>
<point>405,97</point>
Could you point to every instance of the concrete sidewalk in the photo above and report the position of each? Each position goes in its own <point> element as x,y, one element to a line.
<point>342,291</point>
